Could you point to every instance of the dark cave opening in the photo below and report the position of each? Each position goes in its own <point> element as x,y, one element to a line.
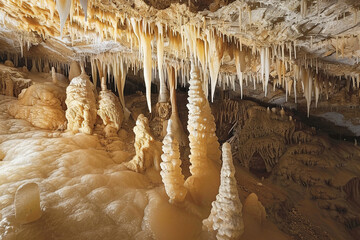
<point>257,166</point>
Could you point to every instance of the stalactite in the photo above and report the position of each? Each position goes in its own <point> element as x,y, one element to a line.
<point>177,127</point>
<point>163,93</point>
<point>317,89</point>
<point>240,67</point>
<point>267,69</point>
<point>145,39</point>
<point>63,8</point>
<point>216,51</point>
<point>84,5</point>
<point>307,79</point>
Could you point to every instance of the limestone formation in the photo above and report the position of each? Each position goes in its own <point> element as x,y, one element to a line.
<point>9,63</point>
<point>42,105</point>
<point>204,151</point>
<point>27,203</point>
<point>170,167</point>
<point>298,58</point>
<point>110,110</point>
<point>75,70</point>
<point>254,209</point>
<point>81,105</point>
<point>177,127</point>
<point>147,149</point>
<point>226,212</point>
<point>9,86</point>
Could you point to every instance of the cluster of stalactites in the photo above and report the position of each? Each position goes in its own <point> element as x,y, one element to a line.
<point>206,44</point>
<point>36,64</point>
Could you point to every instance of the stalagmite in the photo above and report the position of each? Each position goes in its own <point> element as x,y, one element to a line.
<point>81,105</point>
<point>282,112</point>
<point>27,203</point>
<point>204,148</point>
<point>147,149</point>
<point>9,63</point>
<point>254,209</point>
<point>34,68</point>
<point>42,105</point>
<point>226,212</point>
<point>63,8</point>
<point>179,133</point>
<point>74,70</point>
<point>170,167</point>
<point>53,76</point>
<point>110,110</point>
<point>9,86</point>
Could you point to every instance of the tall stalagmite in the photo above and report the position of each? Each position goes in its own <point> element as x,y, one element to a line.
<point>203,143</point>
<point>226,212</point>
<point>81,105</point>
<point>170,167</point>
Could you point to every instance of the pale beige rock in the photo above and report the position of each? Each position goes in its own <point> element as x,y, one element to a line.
<point>226,212</point>
<point>171,174</point>
<point>148,150</point>
<point>254,209</point>
<point>177,127</point>
<point>9,63</point>
<point>27,203</point>
<point>204,151</point>
<point>110,110</point>
<point>42,105</point>
<point>81,105</point>
<point>9,86</point>
<point>75,70</point>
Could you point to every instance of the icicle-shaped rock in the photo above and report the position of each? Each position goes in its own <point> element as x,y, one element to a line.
<point>307,79</point>
<point>216,51</point>
<point>120,71</point>
<point>63,8</point>
<point>240,67</point>
<point>163,93</point>
<point>170,167</point>
<point>145,39</point>
<point>179,133</point>
<point>84,4</point>
<point>226,212</point>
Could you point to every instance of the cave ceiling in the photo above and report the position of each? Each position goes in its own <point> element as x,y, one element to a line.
<point>322,33</point>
